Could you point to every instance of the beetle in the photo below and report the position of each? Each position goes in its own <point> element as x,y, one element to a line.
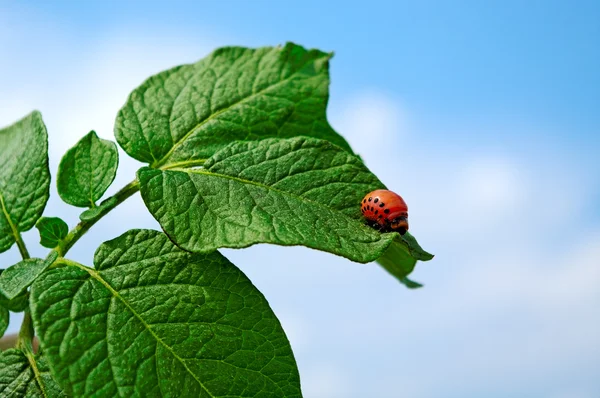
<point>386,211</point>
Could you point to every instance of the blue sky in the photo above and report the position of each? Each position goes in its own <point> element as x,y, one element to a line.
<point>489,112</point>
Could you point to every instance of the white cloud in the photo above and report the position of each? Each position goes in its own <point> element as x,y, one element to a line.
<point>492,185</point>
<point>373,124</point>
<point>325,380</point>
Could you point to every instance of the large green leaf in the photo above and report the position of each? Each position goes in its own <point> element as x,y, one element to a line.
<point>185,114</point>
<point>87,170</point>
<point>152,320</point>
<point>296,191</point>
<point>18,376</point>
<point>24,177</point>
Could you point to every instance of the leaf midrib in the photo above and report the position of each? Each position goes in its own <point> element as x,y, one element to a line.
<point>36,373</point>
<point>268,187</point>
<point>13,227</point>
<point>116,294</point>
<point>179,142</point>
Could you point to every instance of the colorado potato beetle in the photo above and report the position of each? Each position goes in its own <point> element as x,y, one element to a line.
<point>385,210</point>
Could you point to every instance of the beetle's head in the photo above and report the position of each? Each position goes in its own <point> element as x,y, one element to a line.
<point>400,224</point>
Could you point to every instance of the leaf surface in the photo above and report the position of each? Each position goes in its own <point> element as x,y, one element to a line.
<point>52,231</point>
<point>152,320</point>
<point>18,378</point>
<point>4,320</point>
<point>16,278</point>
<point>296,191</point>
<point>185,114</point>
<point>24,177</point>
<point>401,258</point>
<point>18,304</point>
<point>87,170</point>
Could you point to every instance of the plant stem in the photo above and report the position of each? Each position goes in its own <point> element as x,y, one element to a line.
<point>15,231</point>
<point>25,339</point>
<point>25,344</point>
<point>21,246</point>
<point>26,334</point>
<point>106,206</point>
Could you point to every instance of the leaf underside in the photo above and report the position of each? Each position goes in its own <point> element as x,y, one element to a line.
<point>24,177</point>
<point>297,191</point>
<point>152,320</point>
<point>185,114</point>
<point>401,257</point>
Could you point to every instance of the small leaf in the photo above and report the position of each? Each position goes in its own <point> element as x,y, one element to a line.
<point>18,376</point>
<point>401,257</point>
<point>87,170</point>
<point>410,283</point>
<point>52,231</point>
<point>15,279</point>
<point>185,114</point>
<point>18,304</point>
<point>24,177</point>
<point>153,320</point>
<point>4,320</point>
<point>397,260</point>
<point>95,212</point>
<point>414,249</point>
<point>297,191</point>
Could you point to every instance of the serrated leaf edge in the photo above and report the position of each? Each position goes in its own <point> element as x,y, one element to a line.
<point>158,164</point>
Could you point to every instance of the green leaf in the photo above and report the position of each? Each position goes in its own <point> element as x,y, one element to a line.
<point>24,177</point>
<point>16,278</point>
<point>18,304</point>
<point>401,257</point>
<point>4,320</point>
<point>95,212</point>
<point>413,247</point>
<point>26,376</point>
<point>52,231</point>
<point>398,262</point>
<point>87,170</point>
<point>297,191</point>
<point>186,114</point>
<point>409,283</point>
<point>153,320</point>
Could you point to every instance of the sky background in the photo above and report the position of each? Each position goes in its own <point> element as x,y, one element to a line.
<point>490,117</point>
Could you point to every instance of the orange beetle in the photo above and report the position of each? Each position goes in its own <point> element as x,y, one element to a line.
<point>385,210</point>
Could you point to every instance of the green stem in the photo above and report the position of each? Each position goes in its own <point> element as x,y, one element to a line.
<point>15,231</point>
<point>25,344</point>
<point>26,334</point>
<point>25,339</point>
<point>185,164</point>
<point>80,229</point>
<point>21,246</point>
<point>67,262</point>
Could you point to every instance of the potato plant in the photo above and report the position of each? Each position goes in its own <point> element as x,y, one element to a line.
<point>238,151</point>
